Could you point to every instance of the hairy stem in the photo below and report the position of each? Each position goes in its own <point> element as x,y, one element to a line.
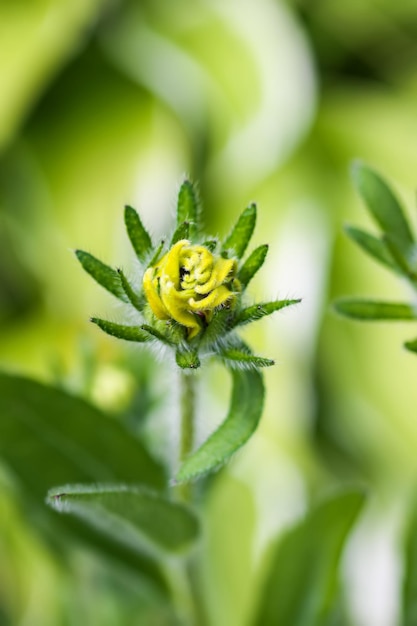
<point>187,405</point>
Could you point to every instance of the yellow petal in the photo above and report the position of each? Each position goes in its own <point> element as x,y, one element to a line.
<point>216,298</point>
<point>150,287</point>
<point>221,270</point>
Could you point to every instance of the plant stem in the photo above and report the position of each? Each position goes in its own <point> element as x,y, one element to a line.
<point>187,405</point>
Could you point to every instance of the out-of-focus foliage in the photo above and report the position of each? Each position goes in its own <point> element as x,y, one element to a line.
<point>109,103</point>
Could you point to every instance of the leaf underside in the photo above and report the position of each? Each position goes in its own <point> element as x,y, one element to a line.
<point>369,310</point>
<point>131,514</point>
<point>241,422</point>
<point>300,585</point>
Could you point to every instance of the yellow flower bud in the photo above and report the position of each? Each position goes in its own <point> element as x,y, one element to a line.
<point>188,283</point>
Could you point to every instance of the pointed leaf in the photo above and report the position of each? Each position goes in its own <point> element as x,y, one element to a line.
<point>138,235</point>
<point>373,310</point>
<point>300,586</point>
<point>211,244</point>
<point>257,311</point>
<point>241,422</point>
<point>400,255</point>
<point>181,232</point>
<point>237,358</point>
<point>135,300</point>
<point>129,333</point>
<point>236,243</point>
<point>382,203</point>
<point>154,332</point>
<point>129,514</point>
<point>252,264</point>
<point>188,206</point>
<point>104,275</point>
<point>158,253</point>
<point>374,246</point>
<point>409,586</point>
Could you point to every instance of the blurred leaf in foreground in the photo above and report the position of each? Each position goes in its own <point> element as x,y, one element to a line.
<point>301,584</point>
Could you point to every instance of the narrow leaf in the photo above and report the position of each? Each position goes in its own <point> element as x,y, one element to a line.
<point>409,586</point>
<point>134,298</point>
<point>129,333</point>
<point>211,244</point>
<point>238,358</point>
<point>138,235</point>
<point>104,275</point>
<point>181,232</point>
<point>374,246</point>
<point>382,203</point>
<point>368,310</point>
<point>257,311</point>
<point>129,514</point>
<point>154,332</point>
<point>400,255</point>
<point>156,257</point>
<point>252,264</point>
<point>188,206</point>
<point>235,244</point>
<point>241,422</point>
<point>304,563</point>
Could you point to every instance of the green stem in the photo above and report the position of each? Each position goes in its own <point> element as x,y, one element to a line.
<point>187,405</point>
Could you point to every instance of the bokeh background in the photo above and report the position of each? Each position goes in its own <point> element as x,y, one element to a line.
<point>108,102</point>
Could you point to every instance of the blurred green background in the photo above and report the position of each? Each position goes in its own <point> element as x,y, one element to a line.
<point>108,102</point>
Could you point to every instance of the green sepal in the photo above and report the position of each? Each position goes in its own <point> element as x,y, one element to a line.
<point>257,311</point>
<point>157,255</point>
<point>252,264</point>
<point>211,244</point>
<point>219,325</point>
<point>103,274</point>
<point>187,359</point>
<point>237,358</point>
<point>242,420</point>
<point>138,235</point>
<point>129,333</point>
<point>154,332</point>
<point>188,206</point>
<point>134,515</point>
<point>375,247</point>
<point>382,203</point>
<point>370,310</point>
<point>411,345</point>
<point>181,232</point>
<point>134,298</point>
<point>236,242</point>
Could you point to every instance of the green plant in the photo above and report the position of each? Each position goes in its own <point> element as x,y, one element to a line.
<point>395,248</point>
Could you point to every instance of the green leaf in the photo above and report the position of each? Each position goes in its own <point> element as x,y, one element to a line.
<point>238,358</point>
<point>157,256</point>
<point>104,275</point>
<point>154,332</point>
<point>188,206</point>
<point>129,333</point>
<point>411,345</point>
<point>129,514</point>
<point>181,232</point>
<point>48,436</point>
<point>135,300</point>
<point>257,311</point>
<point>374,246</point>
<point>409,586</point>
<point>138,235</point>
<point>300,585</point>
<point>242,419</point>
<point>368,310</point>
<point>399,256</point>
<point>382,203</point>
<point>235,244</point>
<point>252,264</point>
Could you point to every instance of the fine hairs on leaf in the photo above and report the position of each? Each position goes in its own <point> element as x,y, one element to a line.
<point>104,275</point>
<point>235,244</point>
